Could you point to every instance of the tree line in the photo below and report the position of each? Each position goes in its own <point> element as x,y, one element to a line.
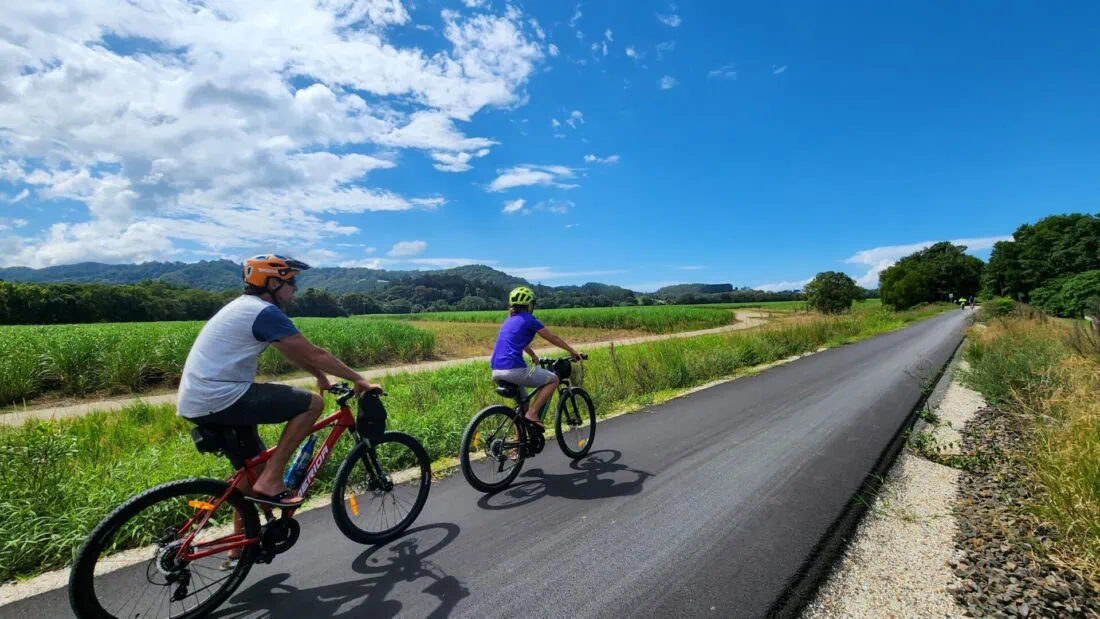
<point>1053,264</point>
<point>156,300</point>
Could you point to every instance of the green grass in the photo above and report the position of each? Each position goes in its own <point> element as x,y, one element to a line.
<point>654,319</point>
<point>60,478</point>
<point>1042,374</point>
<point>79,360</point>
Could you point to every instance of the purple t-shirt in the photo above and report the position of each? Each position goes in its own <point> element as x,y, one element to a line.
<point>515,334</point>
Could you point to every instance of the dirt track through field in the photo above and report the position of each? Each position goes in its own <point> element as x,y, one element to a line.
<point>745,320</point>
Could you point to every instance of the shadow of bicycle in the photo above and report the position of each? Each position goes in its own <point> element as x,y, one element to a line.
<point>400,561</point>
<point>599,476</point>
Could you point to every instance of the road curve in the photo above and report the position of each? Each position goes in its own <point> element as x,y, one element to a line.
<point>707,505</point>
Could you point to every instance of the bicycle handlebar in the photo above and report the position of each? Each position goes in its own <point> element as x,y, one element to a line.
<point>344,393</point>
<point>550,362</point>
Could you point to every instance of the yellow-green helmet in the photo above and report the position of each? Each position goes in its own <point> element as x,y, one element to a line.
<point>521,296</point>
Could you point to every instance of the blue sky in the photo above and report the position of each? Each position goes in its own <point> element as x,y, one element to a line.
<point>637,143</point>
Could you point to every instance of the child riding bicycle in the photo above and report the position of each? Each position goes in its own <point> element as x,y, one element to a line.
<point>515,337</point>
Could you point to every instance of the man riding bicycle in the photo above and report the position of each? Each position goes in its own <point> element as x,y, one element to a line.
<point>515,337</point>
<point>218,385</point>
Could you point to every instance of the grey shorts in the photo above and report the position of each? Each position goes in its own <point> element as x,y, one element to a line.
<point>525,377</point>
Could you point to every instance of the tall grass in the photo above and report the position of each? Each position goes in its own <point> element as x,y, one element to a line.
<point>654,319</point>
<point>1036,370</point>
<point>60,478</point>
<point>132,357</point>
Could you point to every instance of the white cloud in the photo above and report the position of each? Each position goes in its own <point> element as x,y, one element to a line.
<point>19,197</point>
<point>412,263</point>
<point>632,53</point>
<point>448,263</point>
<point>608,35</point>
<point>603,46</point>
<point>571,226</point>
<point>473,4</point>
<point>405,249</point>
<point>555,206</point>
<point>456,162</point>
<point>553,49</point>
<point>539,32</point>
<point>594,159</point>
<point>724,72</point>
<point>667,82</point>
<point>779,70</point>
<point>537,274</point>
<point>554,123</point>
<point>514,205</point>
<point>663,48</point>
<point>881,258</point>
<point>780,286</point>
<point>8,224</point>
<point>691,268</point>
<point>207,121</point>
<point>530,174</point>
<point>669,20</point>
<point>97,241</point>
<point>574,117</point>
<point>576,16</point>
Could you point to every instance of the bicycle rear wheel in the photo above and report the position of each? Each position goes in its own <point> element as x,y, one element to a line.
<point>381,488</point>
<point>575,422</point>
<point>129,565</point>
<point>490,454</point>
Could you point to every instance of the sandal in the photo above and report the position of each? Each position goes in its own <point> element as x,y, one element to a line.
<point>277,500</point>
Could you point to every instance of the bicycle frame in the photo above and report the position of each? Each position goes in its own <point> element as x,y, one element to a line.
<point>340,421</point>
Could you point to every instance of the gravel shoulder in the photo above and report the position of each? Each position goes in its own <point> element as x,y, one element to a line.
<point>899,561</point>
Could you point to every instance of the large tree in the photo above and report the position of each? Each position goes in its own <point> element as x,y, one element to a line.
<point>1051,248</point>
<point>935,273</point>
<point>832,292</point>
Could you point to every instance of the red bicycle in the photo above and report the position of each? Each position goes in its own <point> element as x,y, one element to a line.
<point>173,551</point>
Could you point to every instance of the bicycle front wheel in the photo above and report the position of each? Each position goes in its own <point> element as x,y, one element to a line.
<point>575,422</point>
<point>381,488</point>
<point>131,565</point>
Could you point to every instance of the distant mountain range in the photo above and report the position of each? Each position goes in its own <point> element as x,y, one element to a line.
<point>220,275</point>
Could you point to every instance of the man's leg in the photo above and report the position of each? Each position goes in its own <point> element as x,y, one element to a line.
<point>270,482</point>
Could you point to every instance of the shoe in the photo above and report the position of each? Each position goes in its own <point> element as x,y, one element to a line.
<point>277,500</point>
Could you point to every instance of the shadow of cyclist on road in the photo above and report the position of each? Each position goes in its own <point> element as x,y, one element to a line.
<point>400,561</point>
<point>599,476</point>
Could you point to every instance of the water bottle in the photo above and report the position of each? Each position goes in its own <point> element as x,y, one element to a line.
<point>297,470</point>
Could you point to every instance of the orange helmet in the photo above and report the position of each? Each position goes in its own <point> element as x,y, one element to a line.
<point>258,269</point>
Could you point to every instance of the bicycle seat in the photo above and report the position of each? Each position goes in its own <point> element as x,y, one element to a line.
<point>237,444</point>
<point>509,390</point>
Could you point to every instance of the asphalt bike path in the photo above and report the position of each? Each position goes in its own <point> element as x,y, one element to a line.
<point>706,505</point>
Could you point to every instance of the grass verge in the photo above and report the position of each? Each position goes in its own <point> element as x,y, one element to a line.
<point>61,477</point>
<point>86,359</point>
<point>1045,375</point>
<point>652,319</point>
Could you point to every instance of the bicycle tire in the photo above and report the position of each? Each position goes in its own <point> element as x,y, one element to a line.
<point>572,395</point>
<point>339,507</point>
<point>464,450</point>
<point>82,597</point>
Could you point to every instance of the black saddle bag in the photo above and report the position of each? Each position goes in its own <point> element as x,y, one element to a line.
<point>371,420</point>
